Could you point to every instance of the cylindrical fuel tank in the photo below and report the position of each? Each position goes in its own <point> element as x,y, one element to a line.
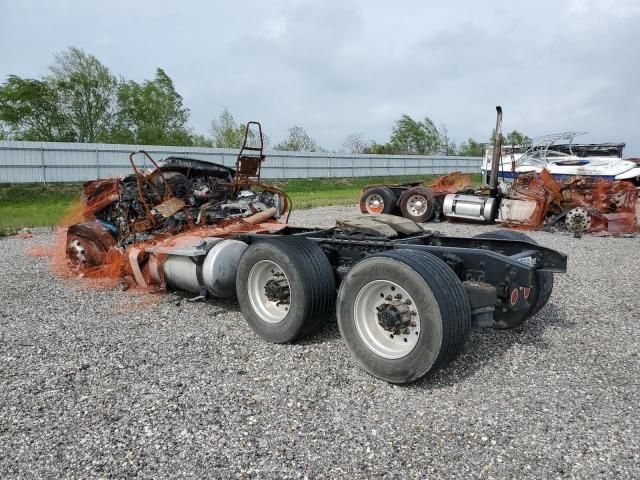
<point>471,207</point>
<point>217,272</point>
<point>220,267</point>
<point>180,272</point>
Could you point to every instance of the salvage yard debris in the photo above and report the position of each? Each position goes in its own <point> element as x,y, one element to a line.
<point>580,203</point>
<point>212,231</point>
<point>525,197</point>
<point>179,196</point>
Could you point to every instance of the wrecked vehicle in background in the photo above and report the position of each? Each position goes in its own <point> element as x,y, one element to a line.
<point>579,204</point>
<point>563,160</point>
<point>180,194</point>
<point>533,198</point>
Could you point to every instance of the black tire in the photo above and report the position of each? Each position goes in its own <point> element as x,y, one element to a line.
<point>427,209</point>
<point>383,194</point>
<point>88,244</point>
<point>439,299</point>
<point>541,291</point>
<point>311,284</point>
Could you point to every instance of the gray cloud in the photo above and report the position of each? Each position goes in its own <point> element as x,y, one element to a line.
<point>339,67</point>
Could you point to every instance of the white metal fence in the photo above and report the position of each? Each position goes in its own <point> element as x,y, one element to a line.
<point>42,162</point>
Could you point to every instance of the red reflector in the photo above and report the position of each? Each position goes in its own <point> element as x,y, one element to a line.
<point>514,296</point>
<point>526,292</point>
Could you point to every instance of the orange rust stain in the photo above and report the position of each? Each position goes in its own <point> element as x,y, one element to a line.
<point>452,183</point>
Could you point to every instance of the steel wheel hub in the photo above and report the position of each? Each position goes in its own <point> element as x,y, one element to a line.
<point>375,203</point>
<point>386,319</point>
<point>76,252</point>
<point>578,220</point>
<point>269,291</point>
<point>417,205</point>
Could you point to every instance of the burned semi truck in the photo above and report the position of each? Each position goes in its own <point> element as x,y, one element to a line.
<point>404,297</point>
<point>550,182</point>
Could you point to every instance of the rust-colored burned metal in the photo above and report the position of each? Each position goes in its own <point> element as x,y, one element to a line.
<point>179,197</point>
<point>451,183</point>
<point>610,205</point>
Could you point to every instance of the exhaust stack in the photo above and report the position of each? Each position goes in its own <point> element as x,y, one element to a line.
<point>497,154</point>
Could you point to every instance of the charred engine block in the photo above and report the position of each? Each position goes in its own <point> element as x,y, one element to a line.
<point>180,193</point>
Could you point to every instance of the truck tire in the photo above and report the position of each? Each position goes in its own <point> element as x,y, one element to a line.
<point>418,204</point>
<point>286,288</point>
<point>402,314</point>
<point>541,291</point>
<point>88,244</point>
<point>378,200</point>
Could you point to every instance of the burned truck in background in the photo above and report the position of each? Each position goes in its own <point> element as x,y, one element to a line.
<point>581,188</point>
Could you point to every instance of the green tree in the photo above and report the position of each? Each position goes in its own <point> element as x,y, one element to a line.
<point>87,91</point>
<point>227,133</point>
<point>381,149</point>
<point>516,138</point>
<point>471,148</point>
<point>415,137</point>
<point>198,140</point>
<point>31,110</point>
<point>446,145</point>
<point>512,138</point>
<point>151,113</point>
<point>298,140</point>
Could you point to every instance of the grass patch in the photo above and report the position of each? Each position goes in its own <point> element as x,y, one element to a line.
<point>36,205</point>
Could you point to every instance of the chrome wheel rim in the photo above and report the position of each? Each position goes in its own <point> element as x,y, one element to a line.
<point>417,205</point>
<point>375,203</point>
<point>76,253</point>
<point>388,297</point>
<point>262,277</point>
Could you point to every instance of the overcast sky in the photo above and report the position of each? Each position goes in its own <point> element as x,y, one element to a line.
<point>338,67</point>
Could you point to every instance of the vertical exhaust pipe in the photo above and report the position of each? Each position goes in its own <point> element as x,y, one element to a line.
<point>497,154</point>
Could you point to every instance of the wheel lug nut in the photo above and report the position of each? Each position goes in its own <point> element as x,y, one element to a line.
<point>413,313</point>
<point>408,301</point>
<point>412,324</point>
<point>398,296</point>
<point>388,298</point>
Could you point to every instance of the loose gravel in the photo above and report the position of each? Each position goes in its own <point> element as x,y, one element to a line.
<point>96,383</point>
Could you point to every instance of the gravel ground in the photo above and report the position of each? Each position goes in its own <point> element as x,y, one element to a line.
<point>179,389</point>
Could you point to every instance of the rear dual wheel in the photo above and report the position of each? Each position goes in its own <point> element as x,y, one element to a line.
<point>378,200</point>
<point>418,204</point>
<point>402,314</point>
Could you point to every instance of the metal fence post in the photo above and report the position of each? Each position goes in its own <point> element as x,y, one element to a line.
<point>97,165</point>
<point>44,167</point>
<point>283,171</point>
